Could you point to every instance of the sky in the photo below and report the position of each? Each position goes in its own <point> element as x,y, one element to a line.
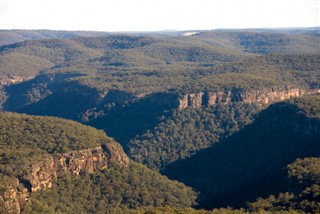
<point>156,15</point>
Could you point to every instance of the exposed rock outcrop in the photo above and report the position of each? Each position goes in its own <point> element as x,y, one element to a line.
<point>259,97</point>
<point>14,198</point>
<point>43,173</point>
<point>10,79</point>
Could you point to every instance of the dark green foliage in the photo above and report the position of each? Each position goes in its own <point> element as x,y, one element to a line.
<point>48,134</point>
<point>79,78</point>
<point>26,139</point>
<point>126,121</point>
<point>304,185</point>
<point>32,91</point>
<point>118,187</point>
<point>308,106</point>
<point>188,131</point>
<point>271,42</point>
<point>251,162</point>
<point>139,65</point>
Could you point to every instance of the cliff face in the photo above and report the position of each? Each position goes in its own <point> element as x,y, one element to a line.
<point>43,173</point>
<point>259,97</point>
<point>9,79</point>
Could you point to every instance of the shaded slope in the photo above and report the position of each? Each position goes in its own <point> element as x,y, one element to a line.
<point>55,165</point>
<point>251,163</point>
<point>303,190</point>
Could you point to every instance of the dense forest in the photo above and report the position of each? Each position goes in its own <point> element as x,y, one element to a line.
<point>234,114</point>
<point>186,132</point>
<point>26,142</point>
<point>251,162</point>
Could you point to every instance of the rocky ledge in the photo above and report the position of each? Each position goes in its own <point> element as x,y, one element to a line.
<point>43,173</point>
<point>258,97</point>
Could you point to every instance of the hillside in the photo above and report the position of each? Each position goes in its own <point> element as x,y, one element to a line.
<point>303,184</point>
<point>14,36</point>
<point>204,109</point>
<point>251,163</point>
<point>140,87</point>
<point>148,51</point>
<point>55,165</point>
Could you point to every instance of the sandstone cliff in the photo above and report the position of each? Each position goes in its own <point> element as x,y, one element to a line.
<point>259,97</point>
<point>10,79</point>
<point>42,174</point>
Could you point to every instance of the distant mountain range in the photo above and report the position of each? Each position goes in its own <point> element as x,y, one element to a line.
<point>227,112</point>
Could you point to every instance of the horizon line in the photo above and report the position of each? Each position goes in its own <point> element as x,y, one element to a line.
<point>164,30</point>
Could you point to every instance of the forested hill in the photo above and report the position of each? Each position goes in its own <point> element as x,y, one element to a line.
<point>187,104</point>
<point>51,165</point>
<point>15,36</point>
<point>160,89</point>
<point>252,162</point>
<point>147,51</point>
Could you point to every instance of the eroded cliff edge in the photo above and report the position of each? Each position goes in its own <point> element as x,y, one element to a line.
<point>42,174</point>
<point>260,97</point>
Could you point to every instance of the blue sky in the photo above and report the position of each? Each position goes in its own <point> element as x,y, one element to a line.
<point>155,15</point>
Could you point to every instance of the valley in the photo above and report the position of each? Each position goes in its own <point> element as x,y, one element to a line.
<point>213,122</point>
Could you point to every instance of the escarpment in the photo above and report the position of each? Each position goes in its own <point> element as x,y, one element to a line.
<point>259,97</point>
<point>42,174</point>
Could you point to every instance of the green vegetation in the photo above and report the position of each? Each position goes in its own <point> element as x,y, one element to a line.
<point>114,188</point>
<point>48,134</point>
<point>93,198</point>
<point>304,177</point>
<point>130,85</point>
<point>186,132</point>
<point>14,36</point>
<point>250,163</point>
<point>308,106</point>
<point>26,140</point>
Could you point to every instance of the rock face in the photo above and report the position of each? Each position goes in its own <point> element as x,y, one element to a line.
<point>43,173</point>
<point>259,97</point>
<point>9,79</point>
<point>14,198</point>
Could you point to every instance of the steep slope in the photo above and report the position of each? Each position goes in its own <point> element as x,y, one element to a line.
<point>47,162</point>
<point>251,163</point>
<point>134,86</point>
<point>303,187</point>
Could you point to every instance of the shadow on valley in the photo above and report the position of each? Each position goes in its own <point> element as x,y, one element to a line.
<point>31,92</point>
<point>125,122</point>
<point>253,162</point>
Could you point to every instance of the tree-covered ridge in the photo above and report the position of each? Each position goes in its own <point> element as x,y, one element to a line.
<point>303,173</point>
<point>142,64</point>
<point>48,134</point>
<point>15,36</point>
<point>116,188</point>
<point>31,143</point>
<point>304,187</point>
<point>186,132</point>
<point>250,163</point>
<point>25,140</point>
<point>148,51</point>
<point>303,196</point>
<point>308,106</point>
<point>91,198</point>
